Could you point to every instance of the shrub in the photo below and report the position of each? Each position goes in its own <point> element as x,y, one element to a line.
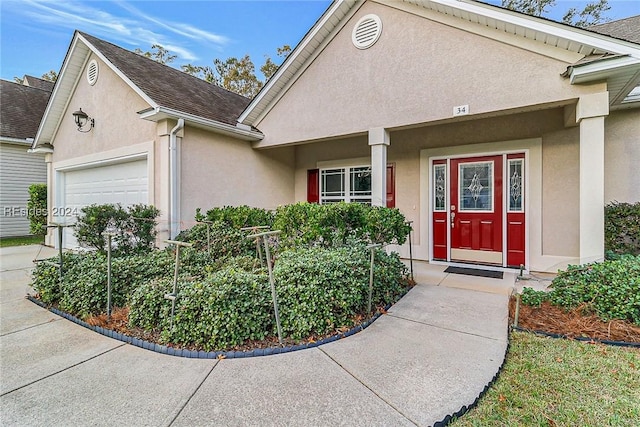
<point>237,216</point>
<point>322,289</point>
<point>223,310</point>
<point>622,228</point>
<point>533,298</point>
<point>610,288</point>
<point>337,223</point>
<point>226,241</point>
<point>37,209</point>
<point>134,227</point>
<point>83,290</point>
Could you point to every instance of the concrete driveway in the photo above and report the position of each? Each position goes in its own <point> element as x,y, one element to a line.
<point>433,353</point>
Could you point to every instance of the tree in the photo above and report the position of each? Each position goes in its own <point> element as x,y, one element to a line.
<point>159,54</point>
<point>50,76</point>
<point>269,67</point>
<point>592,14</point>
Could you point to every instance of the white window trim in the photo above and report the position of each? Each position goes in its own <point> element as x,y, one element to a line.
<point>348,198</point>
<point>491,197</point>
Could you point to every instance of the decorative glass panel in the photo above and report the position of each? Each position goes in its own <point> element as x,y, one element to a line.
<point>361,181</point>
<point>516,192</point>
<point>439,188</point>
<point>476,186</point>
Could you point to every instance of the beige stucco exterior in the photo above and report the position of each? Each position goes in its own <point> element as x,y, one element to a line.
<point>416,73</point>
<point>622,156</point>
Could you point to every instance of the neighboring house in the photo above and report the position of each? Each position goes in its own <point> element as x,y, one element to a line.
<point>21,109</point>
<point>500,135</point>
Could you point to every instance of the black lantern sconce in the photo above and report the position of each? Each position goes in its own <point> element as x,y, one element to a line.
<point>82,120</point>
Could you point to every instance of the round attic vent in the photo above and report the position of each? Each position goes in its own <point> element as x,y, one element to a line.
<point>367,31</point>
<point>92,72</point>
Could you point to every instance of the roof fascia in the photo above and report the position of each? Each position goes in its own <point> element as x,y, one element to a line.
<point>17,141</point>
<point>600,70</point>
<point>558,29</point>
<point>67,73</point>
<point>158,113</point>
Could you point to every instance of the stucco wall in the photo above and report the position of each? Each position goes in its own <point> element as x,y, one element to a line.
<point>416,73</point>
<point>622,156</point>
<point>113,105</point>
<point>218,171</point>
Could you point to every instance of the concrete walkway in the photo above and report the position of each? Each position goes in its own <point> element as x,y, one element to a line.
<point>433,352</point>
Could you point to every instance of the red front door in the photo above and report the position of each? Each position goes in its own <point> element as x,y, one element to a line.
<point>476,211</point>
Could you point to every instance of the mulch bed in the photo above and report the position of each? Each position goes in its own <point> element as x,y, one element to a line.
<point>575,323</point>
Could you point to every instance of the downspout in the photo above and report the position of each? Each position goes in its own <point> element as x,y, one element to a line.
<point>174,185</point>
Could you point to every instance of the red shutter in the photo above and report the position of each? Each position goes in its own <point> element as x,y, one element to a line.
<point>391,185</point>
<point>313,186</point>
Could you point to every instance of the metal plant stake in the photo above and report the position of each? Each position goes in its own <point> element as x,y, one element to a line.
<point>274,296</point>
<point>172,296</point>
<point>372,248</point>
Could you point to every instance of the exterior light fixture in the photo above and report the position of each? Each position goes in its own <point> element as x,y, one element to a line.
<point>82,120</point>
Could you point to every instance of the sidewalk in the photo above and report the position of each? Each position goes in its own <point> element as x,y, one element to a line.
<point>433,352</point>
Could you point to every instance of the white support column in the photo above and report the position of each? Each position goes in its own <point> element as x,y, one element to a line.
<point>378,141</point>
<point>590,113</point>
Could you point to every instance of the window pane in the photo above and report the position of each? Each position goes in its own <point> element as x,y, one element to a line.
<point>515,185</point>
<point>476,186</point>
<point>360,181</point>
<point>333,182</point>
<point>439,182</point>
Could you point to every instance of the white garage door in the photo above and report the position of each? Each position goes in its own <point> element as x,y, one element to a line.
<point>124,183</point>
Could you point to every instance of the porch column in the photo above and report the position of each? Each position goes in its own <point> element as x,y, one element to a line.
<point>378,141</point>
<point>590,113</point>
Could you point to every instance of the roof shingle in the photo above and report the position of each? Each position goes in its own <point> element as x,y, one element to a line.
<point>625,29</point>
<point>172,88</point>
<point>22,109</point>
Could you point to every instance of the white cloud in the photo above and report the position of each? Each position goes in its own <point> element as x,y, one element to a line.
<point>134,28</point>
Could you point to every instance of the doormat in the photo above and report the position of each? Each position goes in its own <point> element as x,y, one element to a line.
<point>475,272</point>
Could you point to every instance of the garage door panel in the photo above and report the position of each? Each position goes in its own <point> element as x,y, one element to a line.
<point>124,183</point>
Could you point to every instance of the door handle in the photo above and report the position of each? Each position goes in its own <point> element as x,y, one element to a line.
<point>453,218</point>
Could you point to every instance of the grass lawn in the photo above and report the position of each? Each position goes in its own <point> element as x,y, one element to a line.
<point>21,241</point>
<point>556,382</point>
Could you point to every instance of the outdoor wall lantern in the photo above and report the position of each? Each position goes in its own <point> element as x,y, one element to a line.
<point>82,120</point>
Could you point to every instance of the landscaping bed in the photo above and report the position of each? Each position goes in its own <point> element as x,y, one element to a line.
<point>223,293</point>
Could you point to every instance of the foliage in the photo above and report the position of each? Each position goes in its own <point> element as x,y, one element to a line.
<point>237,216</point>
<point>37,209</point>
<point>592,14</point>
<point>225,309</point>
<point>159,54</point>
<point>552,382</point>
<point>320,290</point>
<point>610,288</point>
<point>6,242</point>
<point>50,76</point>
<point>533,298</point>
<point>269,67</point>
<point>622,228</point>
<point>223,241</point>
<point>337,223</point>
<point>134,227</point>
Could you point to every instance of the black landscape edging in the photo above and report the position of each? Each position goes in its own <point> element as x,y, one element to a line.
<point>466,408</point>
<point>201,354</point>
<point>582,339</point>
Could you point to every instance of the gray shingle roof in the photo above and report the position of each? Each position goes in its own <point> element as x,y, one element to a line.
<point>22,109</point>
<point>38,83</point>
<point>172,88</point>
<point>625,29</point>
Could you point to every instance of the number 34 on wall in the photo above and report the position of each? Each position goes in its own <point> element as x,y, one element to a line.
<point>460,110</point>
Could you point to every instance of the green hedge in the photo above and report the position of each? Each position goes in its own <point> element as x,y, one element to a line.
<point>319,290</point>
<point>611,289</point>
<point>237,216</point>
<point>225,240</point>
<point>37,209</point>
<point>622,228</point>
<point>134,227</point>
<point>323,289</point>
<point>83,291</point>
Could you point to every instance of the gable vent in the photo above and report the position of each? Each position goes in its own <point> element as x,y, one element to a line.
<point>367,31</point>
<point>92,72</point>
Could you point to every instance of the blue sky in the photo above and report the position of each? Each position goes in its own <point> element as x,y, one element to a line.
<point>35,34</point>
